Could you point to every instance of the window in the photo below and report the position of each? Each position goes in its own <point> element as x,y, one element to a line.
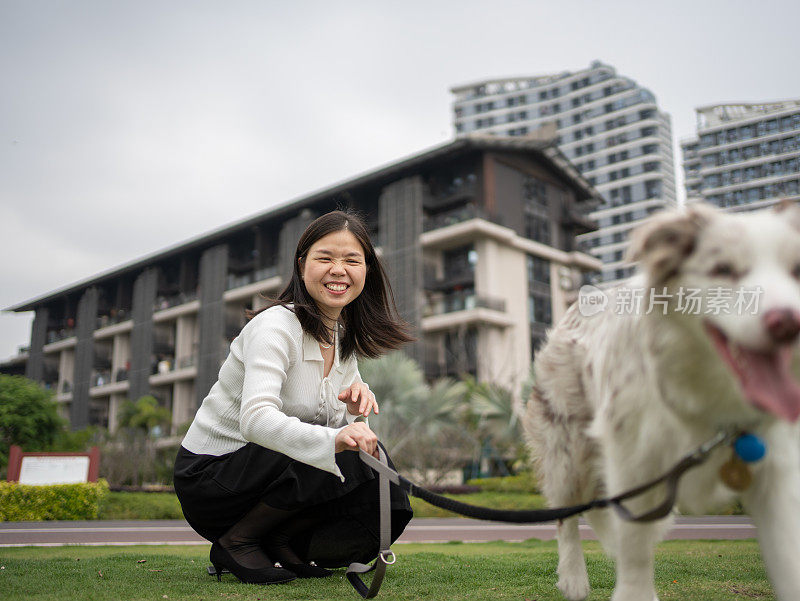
<point>538,269</point>
<point>537,228</point>
<point>535,191</point>
<point>459,261</point>
<point>540,308</point>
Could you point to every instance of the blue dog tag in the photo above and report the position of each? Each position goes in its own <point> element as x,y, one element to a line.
<point>750,448</point>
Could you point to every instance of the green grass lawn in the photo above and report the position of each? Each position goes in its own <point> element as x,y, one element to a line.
<point>685,570</point>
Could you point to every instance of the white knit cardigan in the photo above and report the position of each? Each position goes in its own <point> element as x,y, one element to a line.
<point>271,391</point>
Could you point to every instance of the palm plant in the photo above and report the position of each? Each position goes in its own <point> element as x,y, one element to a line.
<point>418,424</point>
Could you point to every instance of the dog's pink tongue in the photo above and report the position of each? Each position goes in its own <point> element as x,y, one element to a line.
<point>768,382</point>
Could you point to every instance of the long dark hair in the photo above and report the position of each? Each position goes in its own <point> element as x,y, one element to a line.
<point>371,325</point>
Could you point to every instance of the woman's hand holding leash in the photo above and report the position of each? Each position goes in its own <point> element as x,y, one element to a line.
<point>357,436</point>
<point>359,399</point>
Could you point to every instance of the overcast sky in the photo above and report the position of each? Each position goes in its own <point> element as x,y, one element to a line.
<point>127,127</point>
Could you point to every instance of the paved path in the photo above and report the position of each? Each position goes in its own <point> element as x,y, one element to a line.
<point>177,532</point>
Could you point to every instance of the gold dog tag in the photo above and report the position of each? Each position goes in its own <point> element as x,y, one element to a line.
<point>735,473</point>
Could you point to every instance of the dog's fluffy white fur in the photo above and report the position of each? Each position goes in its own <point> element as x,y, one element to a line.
<point>622,395</point>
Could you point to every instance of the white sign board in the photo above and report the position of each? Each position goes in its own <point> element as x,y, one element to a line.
<point>54,470</point>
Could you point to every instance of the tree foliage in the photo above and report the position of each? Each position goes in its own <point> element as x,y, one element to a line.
<point>146,415</point>
<point>435,428</point>
<point>418,422</point>
<point>28,416</point>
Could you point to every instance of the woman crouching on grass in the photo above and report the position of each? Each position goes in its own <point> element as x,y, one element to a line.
<point>262,471</point>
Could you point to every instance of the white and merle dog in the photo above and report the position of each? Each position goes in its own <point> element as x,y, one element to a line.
<point>623,394</point>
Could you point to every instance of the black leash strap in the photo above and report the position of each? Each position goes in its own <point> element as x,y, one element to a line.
<point>385,555</point>
<point>531,516</point>
<point>386,474</point>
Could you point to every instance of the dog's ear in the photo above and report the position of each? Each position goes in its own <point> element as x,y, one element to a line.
<point>663,243</point>
<point>790,210</point>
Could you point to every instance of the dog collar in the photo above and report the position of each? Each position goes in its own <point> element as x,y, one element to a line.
<point>747,448</point>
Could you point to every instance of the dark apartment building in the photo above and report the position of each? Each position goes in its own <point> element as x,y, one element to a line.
<point>478,237</point>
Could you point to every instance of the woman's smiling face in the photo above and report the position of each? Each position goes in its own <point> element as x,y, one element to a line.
<point>333,271</point>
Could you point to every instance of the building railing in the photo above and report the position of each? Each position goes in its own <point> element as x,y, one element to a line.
<point>166,302</point>
<point>59,334</point>
<point>101,377</point>
<point>463,277</point>
<point>441,220</point>
<point>188,361</point>
<point>451,196</point>
<point>459,215</point>
<point>117,316</point>
<point>239,280</point>
<point>463,301</point>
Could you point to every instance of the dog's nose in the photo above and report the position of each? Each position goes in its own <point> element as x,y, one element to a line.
<point>783,325</point>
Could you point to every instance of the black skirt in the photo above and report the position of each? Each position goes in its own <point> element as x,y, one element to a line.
<point>215,492</point>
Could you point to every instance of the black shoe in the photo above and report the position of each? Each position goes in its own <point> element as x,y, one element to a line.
<point>221,558</point>
<point>305,570</point>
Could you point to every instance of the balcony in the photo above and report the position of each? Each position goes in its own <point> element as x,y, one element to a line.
<point>167,370</point>
<point>458,215</point>
<point>464,308</point>
<point>112,317</point>
<point>239,280</point>
<point>101,377</point>
<point>60,334</point>
<point>102,384</point>
<point>463,301</point>
<point>167,302</point>
<point>464,277</point>
<point>453,195</point>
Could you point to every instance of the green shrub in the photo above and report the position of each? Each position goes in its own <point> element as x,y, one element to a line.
<point>140,506</point>
<point>522,482</point>
<point>23,502</point>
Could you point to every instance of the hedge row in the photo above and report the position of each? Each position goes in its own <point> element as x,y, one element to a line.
<point>22,502</point>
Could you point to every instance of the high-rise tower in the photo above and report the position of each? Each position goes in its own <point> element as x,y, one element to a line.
<point>608,126</point>
<point>745,156</point>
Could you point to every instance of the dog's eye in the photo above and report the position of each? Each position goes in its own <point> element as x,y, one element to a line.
<point>724,270</point>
